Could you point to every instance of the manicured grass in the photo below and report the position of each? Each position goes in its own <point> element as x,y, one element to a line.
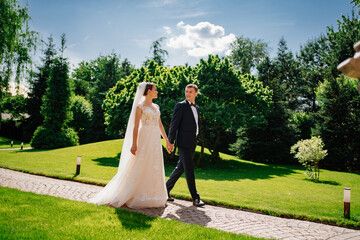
<point>30,216</point>
<point>6,143</point>
<point>273,189</point>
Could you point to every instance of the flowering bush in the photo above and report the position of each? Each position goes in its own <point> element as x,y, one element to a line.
<point>309,152</point>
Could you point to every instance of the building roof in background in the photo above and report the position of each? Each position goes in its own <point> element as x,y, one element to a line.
<point>15,89</point>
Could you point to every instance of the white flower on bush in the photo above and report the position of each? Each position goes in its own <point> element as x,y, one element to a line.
<point>309,152</point>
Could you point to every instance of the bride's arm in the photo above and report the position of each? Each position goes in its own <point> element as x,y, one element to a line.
<point>163,134</point>
<point>136,130</point>
<point>162,130</point>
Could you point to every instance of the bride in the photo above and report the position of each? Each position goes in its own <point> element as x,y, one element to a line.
<point>140,180</point>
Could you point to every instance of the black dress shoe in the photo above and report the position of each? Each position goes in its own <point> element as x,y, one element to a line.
<point>198,203</point>
<point>170,199</point>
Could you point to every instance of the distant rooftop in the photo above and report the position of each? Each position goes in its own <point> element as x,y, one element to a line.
<point>16,89</point>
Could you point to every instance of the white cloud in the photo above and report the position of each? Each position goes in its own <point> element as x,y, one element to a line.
<point>167,29</point>
<point>189,14</point>
<point>202,39</point>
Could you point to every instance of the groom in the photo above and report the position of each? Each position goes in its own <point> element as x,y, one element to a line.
<point>184,128</point>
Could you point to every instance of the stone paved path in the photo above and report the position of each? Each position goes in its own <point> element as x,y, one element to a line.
<point>230,220</point>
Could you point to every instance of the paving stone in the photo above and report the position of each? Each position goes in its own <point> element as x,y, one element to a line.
<point>230,220</point>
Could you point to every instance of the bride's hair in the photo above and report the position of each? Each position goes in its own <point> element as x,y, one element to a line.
<point>149,86</point>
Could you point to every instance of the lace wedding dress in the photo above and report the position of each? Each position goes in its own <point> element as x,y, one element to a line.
<point>142,183</point>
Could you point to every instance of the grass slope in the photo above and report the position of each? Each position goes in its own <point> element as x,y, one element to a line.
<point>273,189</point>
<point>29,216</point>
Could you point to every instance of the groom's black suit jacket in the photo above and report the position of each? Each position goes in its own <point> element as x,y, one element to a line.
<point>183,126</point>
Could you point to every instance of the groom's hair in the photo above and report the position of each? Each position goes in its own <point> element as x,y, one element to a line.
<point>149,86</point>
<point>192,86</point>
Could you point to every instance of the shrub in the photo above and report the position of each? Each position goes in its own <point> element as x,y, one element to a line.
<point>47,138</point>
<point>309,153</point>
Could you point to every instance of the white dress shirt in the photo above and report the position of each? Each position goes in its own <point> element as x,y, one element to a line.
<point>193,108</point>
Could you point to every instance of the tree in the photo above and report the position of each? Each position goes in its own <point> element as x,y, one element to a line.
<point>54,132</point>
<point>159,54</point>
<point>126,68</point>
<point>288,73</point>
<point>356,2</point>
<point>84,78</point>
<point>227,99</point>
<point>15,105</point>
<point>82,114</point>
<point>339,43</point>
<point>311,64</point>
<point>169,82</point>
<point>17,42</point>
<point>38,85</point>
<point>271,140</point>
<point>93,80</point>
<point>106,72</point>
<point>338,122</point>
<point>246,54</point>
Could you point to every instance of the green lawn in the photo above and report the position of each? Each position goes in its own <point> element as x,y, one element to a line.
<point>6,143</point>
<point>30,216</point>
<point>273,189</point>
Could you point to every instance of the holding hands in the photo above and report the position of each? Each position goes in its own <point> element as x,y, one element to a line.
<point>169,146</point>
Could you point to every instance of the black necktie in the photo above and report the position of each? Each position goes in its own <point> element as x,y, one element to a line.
<point>192,104</point>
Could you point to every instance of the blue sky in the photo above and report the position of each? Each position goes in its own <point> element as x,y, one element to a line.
<point>193,29</point>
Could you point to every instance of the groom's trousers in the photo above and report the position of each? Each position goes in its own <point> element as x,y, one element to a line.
<point>186,164</point>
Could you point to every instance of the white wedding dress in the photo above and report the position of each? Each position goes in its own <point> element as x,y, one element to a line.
<point>140,183</point>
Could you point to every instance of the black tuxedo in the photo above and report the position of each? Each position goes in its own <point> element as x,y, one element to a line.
<point>183,132</point>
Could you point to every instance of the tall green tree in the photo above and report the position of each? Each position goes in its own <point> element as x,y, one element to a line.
<point>246,54</point>
<point>310,59</point>
<point>38,85</point>
<point>93,79</point>
<point>106,75</point>
<point>339,43</point>
<point>158,53</point>
<point>17,42</point>
<point>271,140</point>
<point>288,73</point>
<point>54,132</point>
<point>84,78</point>
<point>338,122</point>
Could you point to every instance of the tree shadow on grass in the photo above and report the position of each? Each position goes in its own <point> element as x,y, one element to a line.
<point>108,161</point>
<point>222,170</point>
<point>32,150</point>
<point>234,169</point>
<point>323,182</point>
<point>133,220</point>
